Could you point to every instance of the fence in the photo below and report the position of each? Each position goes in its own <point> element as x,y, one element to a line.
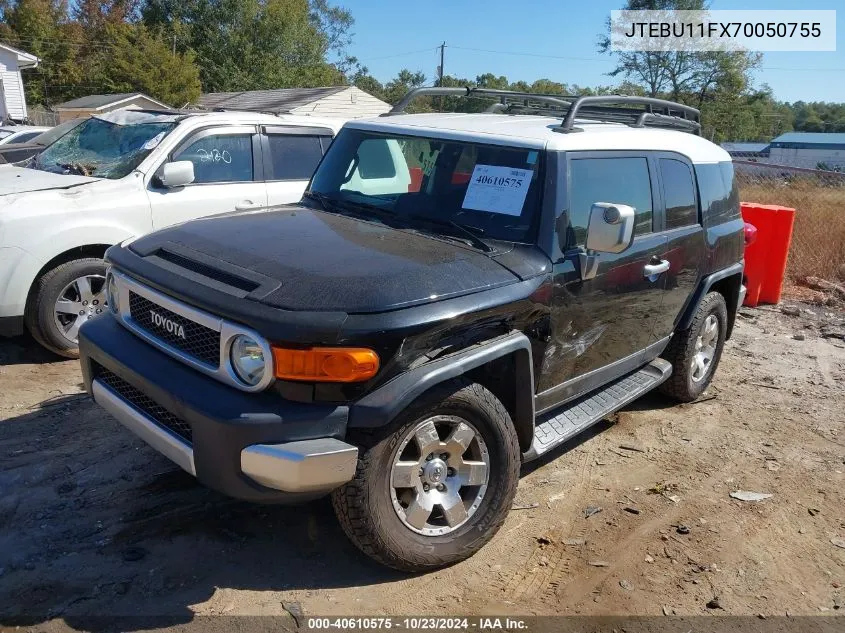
<point>818,242</point>
<point>37,116</point>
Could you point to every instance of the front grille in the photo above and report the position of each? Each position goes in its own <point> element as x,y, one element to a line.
<point>144,403</point>
<point>200,342</point>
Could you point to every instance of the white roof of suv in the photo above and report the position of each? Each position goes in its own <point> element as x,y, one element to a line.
<point>539,132</point>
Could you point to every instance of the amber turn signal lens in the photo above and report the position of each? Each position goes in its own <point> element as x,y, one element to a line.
<point>325,364</point>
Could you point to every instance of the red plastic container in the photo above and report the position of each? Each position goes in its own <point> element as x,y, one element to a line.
<point>765,256</point>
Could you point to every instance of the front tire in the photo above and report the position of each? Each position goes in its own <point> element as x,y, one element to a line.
<point>695,352</point>
<point>438,485</point>
<point>62,300</point>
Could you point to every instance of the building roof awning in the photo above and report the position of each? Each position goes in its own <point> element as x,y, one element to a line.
<point>25,60</point>
<point>99,102</point>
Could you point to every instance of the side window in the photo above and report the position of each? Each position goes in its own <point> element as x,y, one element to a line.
<point>220,158</point>
<point>719,199</point>
<point>26,138</point>
<point>375,160</point>
<point>621,180</point>
<point>679,192</point>
<point>294,157</point>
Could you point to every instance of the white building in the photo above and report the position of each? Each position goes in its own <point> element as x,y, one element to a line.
<point>12,99</point>
<point>808,149</point>
<point>101,104</point>
<point>347,102</point>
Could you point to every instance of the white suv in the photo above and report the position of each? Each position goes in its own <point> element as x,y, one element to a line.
<point>124,174</point>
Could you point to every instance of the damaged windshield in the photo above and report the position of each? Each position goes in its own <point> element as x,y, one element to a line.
<point>105,147</point>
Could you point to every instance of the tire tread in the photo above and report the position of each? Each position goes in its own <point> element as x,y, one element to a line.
<point>352,501</point>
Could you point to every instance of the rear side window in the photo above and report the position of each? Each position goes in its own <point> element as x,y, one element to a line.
<point>294,157</point>
<point>717,188</point>
<point>679,193</point>
<point>619,180</point>
<point>26,138</point>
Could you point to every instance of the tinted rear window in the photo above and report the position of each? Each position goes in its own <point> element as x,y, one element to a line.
<point>718,192</point>
<point>294,157</point>
<point>679,192</point>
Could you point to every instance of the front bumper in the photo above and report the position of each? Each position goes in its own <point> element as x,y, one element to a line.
<point>257,447</point>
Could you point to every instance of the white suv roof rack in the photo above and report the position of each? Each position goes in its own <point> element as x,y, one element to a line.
<point>629,110</point>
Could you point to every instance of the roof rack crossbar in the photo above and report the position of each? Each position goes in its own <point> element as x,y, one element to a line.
<point>651,104</point>
<point>651,112</point>
<point>663,120</point>
<point>503,95</point>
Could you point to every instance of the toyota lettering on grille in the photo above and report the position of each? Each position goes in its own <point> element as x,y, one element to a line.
<point>170,325</point>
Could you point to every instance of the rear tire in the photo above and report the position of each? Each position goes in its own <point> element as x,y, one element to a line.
<point>63,299</point>
<point>391,522</point>
<point>695,351</point>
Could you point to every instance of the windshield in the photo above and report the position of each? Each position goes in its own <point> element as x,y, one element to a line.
<point>45,138</point>
<point>101,148</point>
<point>491,190</point>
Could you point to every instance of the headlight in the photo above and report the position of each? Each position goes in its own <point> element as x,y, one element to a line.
<point>247,357</point>
<point>112,294</point>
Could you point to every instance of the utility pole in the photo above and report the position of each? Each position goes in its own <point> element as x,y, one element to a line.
<point>440,72</point>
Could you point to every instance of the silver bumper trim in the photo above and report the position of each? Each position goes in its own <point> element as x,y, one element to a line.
<point>305,466</point>
<point>143,426</point>
<point>742,292</point>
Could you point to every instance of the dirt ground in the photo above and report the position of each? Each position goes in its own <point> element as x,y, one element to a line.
<point>92,521</point>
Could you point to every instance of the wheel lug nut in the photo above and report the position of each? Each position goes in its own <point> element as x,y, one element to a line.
<point>450,472</point>
<point>81,312</point>
<point>99,311</point>
<point>425,487</point>
<point>95,302</point>
<point>441,487</point>
<point>429,457</point>
<point>85,303</point>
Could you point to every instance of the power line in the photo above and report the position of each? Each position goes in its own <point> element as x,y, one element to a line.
<point>422,50</point>
<point>523,54</point>
<point>598,59</point>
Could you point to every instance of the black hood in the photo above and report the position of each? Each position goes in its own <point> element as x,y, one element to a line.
<point>297,258</point>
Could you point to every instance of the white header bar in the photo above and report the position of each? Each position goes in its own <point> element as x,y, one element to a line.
<point>730,30</point>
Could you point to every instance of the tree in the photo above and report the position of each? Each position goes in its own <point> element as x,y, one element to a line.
<point>142,61</point>
<point>256,44</point>
<point>42,27</point>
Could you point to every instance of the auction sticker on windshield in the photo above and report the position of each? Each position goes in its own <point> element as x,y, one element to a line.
<point>497,189</point>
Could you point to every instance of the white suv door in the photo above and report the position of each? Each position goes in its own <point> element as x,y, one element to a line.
<point>227,176</point>
<point>291,154</point>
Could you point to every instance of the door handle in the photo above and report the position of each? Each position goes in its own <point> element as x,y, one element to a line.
<point>652,270</point>
<point>246,204</point>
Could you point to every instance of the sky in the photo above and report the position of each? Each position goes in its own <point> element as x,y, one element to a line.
<point>554,39</point>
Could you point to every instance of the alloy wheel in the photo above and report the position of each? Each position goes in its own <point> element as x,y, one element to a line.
<point>80,300</point>
<point>439,475</point>
<point>705,349</point>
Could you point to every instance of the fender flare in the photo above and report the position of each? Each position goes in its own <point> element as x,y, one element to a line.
<point>704,287</point>
<point>382,405</point>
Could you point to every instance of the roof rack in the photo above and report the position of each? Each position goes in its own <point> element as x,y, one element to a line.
<point>629,110</point>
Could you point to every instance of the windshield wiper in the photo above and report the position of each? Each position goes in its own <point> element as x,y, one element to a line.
<point>321,199</point>
<point>78,168</point>
<point>471,233</point>
<point>334,205</point>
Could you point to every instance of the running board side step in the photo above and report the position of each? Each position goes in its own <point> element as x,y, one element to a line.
<point>559,425</point>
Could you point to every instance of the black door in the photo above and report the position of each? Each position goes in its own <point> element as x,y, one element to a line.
<point>685,245</point>
<point>601,325</point>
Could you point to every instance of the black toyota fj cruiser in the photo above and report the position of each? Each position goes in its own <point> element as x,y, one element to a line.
<point>455,295</point>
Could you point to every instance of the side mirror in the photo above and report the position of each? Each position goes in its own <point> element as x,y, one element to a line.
<point>611,227</point>
<point>177,174</point>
